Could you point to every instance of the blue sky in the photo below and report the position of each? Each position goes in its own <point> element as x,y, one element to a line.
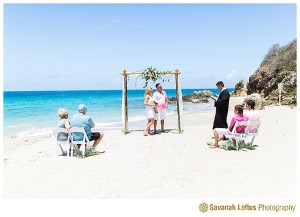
<point>87,46</point>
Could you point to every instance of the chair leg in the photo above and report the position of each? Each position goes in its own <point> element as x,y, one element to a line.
<point>83,150</point>
<point>252,140</point>
<point>71,147</point>
<point>68,151</point>
<point>62,151</point>
<point>75,147</point>
<point>55,150</point>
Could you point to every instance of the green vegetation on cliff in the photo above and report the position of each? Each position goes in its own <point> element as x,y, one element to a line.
<point>278,66</point>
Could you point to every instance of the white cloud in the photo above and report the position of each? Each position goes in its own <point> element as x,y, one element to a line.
<point>231,75</point>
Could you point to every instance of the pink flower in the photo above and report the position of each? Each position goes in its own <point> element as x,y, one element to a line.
<point>151,75</point>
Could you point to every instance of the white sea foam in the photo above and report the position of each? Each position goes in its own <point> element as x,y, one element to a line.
<point>107,124</point>
<point>30,132</point>
<point>21,131</point>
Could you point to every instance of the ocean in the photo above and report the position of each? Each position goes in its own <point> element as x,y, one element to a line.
<point>29,113</point>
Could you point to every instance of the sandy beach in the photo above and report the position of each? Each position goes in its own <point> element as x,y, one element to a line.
<point>168,165</point>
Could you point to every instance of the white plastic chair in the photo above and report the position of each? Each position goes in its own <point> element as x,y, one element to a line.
<point>251,129</point>
<point>82,142</point>
<point>59,143</point>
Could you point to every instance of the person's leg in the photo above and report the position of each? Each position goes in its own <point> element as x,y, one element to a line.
<point>216,136</point>
<point>221,138</point>
<point>156,117</point>
<point>147,130</point>
<point>147,124</point>
<point>162,125</point>
<point>98,140</point>
<point>162,115</point>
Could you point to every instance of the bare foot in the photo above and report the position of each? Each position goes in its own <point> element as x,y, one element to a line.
<point>212,145</point>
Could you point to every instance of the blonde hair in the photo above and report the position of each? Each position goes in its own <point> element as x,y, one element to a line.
<point>63,113</point>
<point>148,90</point>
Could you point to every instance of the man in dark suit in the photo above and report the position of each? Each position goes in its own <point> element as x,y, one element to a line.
<point>221,105</point>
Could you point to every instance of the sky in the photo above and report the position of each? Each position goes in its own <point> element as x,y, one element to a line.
<point>87,46</point>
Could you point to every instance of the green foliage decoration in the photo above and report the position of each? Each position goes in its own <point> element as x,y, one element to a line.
<point>151,74</point>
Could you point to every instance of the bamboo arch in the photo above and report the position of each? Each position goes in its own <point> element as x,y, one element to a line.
<point>125,105</point>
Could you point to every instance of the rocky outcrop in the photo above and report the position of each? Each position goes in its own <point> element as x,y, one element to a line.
<point>265,82</point>
<point>278,66</point>
<point>202,96</point>
<point>240,89</point>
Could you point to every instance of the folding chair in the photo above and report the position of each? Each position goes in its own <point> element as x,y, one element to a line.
<point>57,132</point>
<point>250,129</point>
<point>82,142</point>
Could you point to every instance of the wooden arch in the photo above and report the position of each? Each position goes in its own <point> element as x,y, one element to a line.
<point>125,105</point>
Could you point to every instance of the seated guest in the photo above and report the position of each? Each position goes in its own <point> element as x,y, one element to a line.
<point>251,113</point>
<point>239,116</point>
<point>63,123</point>
<point>82,120</point>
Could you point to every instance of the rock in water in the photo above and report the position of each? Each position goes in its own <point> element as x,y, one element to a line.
<point>202,96</point>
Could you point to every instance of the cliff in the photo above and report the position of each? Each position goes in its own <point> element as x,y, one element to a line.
<point>278,66</point>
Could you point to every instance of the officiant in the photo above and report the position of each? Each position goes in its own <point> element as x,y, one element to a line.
<point>221,104</point>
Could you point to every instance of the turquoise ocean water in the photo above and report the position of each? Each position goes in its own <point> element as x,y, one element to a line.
<point>35,112</point>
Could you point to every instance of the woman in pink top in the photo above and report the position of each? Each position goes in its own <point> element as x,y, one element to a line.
<point>239,116</point>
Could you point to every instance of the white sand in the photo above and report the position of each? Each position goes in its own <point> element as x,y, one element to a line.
<point>160,166</point>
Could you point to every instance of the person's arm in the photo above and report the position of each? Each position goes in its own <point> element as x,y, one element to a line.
<point>232,123</point>
<point>67,124</point>
<point>166,99</point>
<point>91,123</point>
<point>214,98</point>
<point>223,98</point>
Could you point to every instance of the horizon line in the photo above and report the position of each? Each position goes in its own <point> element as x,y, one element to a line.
<point>108,89</point>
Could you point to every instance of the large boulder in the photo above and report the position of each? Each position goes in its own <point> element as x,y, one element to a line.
<point>240,89</point>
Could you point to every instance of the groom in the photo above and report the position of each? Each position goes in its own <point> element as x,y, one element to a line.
<point>161,98</point>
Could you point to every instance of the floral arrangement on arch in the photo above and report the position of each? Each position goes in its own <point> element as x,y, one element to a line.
<point>151,74</point>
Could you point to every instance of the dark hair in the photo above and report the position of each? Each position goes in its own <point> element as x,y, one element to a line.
<point>251,103</point>
<point>157,85</point>
<point>239,108</point>
<point>220,83</point>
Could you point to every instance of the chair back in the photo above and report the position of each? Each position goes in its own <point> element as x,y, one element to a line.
<point>62,137</point>
<point>240,127</point>
<point>58,132</point>
<point>253,127</point>
<point>80,130</point>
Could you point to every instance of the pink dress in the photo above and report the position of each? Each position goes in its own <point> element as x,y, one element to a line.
<point>238,118</point>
